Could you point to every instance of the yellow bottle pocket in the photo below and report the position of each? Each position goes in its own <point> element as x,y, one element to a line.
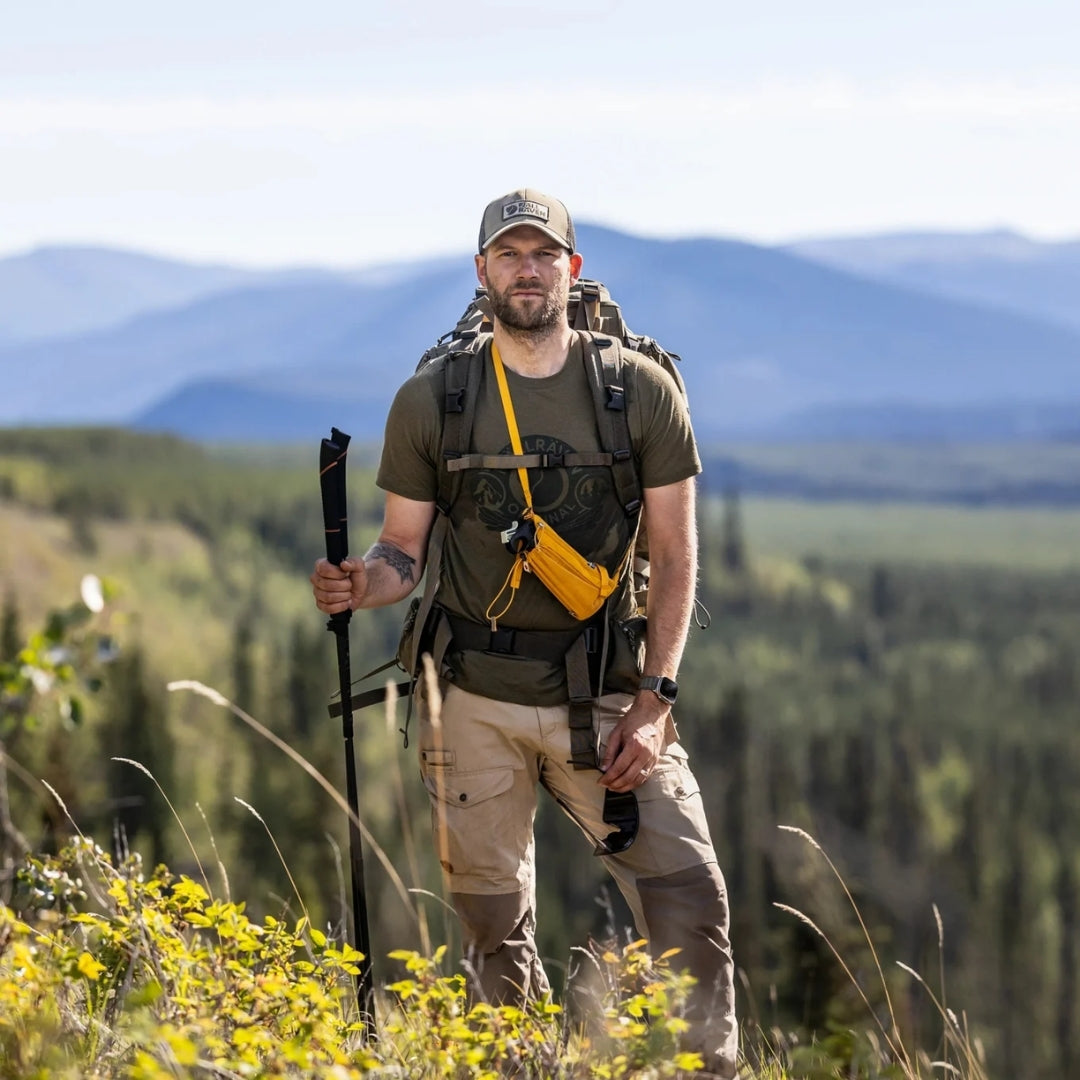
<point>579,585</point>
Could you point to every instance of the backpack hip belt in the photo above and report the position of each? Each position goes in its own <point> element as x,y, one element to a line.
<point>548,645</point>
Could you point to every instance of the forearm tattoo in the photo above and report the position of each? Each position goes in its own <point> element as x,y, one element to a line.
<point>396,559</point>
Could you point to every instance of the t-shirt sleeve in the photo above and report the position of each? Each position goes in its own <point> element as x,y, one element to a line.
<point>412,440</point>
<point>667,450</point>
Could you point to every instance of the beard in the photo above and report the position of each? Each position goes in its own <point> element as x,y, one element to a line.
<point>530,319</point>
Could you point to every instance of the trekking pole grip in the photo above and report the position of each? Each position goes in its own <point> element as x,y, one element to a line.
<point>332,456</point>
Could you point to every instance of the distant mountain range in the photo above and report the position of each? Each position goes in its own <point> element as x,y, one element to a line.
<point>998,269</point>
<point>905,337</point>
<point>57,292</point>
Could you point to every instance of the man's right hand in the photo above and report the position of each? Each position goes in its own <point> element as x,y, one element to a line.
<point>339,588</point>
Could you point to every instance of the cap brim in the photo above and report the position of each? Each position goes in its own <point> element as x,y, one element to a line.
<point>560,240</point>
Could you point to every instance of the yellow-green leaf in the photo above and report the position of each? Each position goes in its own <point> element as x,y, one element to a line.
<point>90,967</point>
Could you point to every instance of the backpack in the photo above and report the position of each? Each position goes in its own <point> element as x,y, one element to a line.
<point>590,308</point>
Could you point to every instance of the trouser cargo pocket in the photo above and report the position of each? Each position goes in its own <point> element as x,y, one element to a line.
<point>673,833</point>
<point>482,837</point>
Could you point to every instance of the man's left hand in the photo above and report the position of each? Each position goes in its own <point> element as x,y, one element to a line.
<point>635,744</point>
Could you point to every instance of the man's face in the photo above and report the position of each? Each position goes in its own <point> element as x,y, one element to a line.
<point>527,276</point>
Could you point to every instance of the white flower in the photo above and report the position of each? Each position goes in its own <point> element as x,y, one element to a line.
<point>92,595</point>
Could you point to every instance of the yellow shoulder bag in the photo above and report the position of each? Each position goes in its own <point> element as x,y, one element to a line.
<point>579,585</point>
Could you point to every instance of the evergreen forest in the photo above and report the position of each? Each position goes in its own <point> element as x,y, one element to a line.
<point>899,681</point>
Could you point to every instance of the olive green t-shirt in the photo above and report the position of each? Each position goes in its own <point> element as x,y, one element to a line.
<point>556,415</point>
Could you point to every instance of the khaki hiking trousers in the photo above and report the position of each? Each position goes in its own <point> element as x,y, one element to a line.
<point>482,761</point>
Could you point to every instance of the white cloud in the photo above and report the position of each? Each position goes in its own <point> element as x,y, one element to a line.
<point>331,115</point>
<point>339,177</point>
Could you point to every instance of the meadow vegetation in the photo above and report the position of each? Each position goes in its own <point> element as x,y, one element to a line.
<point>897,682</point>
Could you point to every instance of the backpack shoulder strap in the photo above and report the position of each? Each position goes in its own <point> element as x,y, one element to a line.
<point>462,372</point>
<point>607,373</point>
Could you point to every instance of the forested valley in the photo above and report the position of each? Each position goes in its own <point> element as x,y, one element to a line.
<point>914,712</point>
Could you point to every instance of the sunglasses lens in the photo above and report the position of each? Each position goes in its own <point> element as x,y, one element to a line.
<point>621,812</point>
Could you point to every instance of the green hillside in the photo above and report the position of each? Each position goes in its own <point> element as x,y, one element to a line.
<point>899,679</point>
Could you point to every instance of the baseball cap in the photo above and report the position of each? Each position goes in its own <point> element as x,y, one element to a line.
<point>527,207</point>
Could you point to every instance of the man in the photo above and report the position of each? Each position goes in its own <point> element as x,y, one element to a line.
<point>506,718</point>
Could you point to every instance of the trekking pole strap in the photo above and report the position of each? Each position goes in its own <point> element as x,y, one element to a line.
<point>376,696</point>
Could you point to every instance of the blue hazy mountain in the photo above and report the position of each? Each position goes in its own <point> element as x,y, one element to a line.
<point>55,292</point>
<point>765,334</point>
<point>999,269</point>
<point>314,330</point>
<point>65,291</point>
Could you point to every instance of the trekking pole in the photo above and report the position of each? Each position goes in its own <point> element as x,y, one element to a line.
<point>332,482</point>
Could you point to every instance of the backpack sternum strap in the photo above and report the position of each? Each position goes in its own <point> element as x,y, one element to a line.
<point>527,461</point>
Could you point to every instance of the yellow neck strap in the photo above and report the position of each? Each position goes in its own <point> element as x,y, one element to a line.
<point>511,419</point>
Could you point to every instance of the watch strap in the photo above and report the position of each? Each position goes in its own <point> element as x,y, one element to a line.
<point>664,688</point>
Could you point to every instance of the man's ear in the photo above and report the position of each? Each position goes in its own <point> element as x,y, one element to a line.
<point>576,262</point>
<point>481,270</point>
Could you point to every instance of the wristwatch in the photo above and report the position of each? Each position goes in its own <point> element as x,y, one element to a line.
<point>667,690</point>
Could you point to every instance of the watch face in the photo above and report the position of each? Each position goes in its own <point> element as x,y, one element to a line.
<point>665,689</point>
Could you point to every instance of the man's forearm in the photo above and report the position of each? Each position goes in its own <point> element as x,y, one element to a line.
<point>672,525</point>
<point>670,603</point>
<point>391,574</point>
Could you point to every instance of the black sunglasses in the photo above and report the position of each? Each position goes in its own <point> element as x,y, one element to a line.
<point>621,812</point>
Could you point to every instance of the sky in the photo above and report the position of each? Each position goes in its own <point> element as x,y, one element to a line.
<point>350,133</point>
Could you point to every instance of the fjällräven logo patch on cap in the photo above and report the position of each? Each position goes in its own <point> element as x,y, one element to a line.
<point>525,208</point>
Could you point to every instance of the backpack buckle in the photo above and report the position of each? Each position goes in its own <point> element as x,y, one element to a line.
<point>501,640</point>
<point>455,400</point>
<point>616,398</point>
<point>620,455</point>
<point>552,461</point>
